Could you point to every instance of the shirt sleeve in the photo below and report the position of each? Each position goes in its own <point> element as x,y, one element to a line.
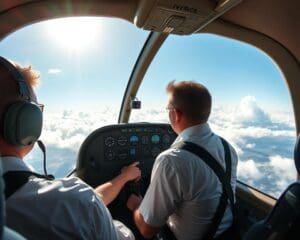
<point>163,195</point>
<point>99,221</point>
<point>124,233</point>
<point>105,227</point>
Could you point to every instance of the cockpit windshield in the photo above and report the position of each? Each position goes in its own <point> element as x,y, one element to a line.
<point>84,64</point>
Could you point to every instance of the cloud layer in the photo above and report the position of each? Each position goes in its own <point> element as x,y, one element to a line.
<point>264,141</point>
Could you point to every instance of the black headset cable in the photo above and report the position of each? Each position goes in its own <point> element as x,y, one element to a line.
<point>43,148</point>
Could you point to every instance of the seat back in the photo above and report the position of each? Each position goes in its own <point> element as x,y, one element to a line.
<point>2,211</point>
<point>5,232</point>
<point>283,221</point>
<point>297,154</point>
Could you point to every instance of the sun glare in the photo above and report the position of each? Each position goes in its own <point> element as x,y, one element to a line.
<point>74,33</point>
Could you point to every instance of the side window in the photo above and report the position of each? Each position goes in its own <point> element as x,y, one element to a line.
<point>251,104</point>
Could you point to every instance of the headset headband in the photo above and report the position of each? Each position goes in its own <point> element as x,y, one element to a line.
<point>22,84</point>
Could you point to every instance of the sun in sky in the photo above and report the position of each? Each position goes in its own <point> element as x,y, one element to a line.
<point>75,34</point>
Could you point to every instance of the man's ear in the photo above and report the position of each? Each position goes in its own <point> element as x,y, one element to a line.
<point>178,116</point>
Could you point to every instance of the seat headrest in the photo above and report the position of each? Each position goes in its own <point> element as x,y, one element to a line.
<point>297,154</point>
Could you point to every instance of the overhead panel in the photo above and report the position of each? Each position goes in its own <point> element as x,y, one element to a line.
<point>180,17</point>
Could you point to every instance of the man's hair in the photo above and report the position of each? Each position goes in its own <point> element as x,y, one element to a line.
<point>31,76</point>
<point>191,98</point>
<point>9,90</point>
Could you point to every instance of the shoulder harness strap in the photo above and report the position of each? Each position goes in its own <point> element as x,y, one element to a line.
<point>223,176</point>
<point>14,180</point>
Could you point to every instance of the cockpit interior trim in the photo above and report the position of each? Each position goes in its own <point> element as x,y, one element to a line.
<point>150,48</point>
<point>246,193</point>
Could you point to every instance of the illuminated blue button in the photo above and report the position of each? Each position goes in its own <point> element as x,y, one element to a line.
<point>132,152</point>
<point>155,139</point>
<point>134,140</point>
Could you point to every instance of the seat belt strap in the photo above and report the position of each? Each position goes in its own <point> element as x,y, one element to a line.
<point>14,180</point>
<point>223,176</point>
<point>228,162</point>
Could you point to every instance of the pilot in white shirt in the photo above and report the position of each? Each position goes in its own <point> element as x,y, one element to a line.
<point>37,207</point>
<point>185,192</point>
<point>65,208</point>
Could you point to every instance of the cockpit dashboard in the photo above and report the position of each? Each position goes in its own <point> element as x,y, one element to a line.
<point>108,149</point>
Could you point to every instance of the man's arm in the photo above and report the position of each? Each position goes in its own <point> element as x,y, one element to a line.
<point>145,229</point>
<point>110,190</point>
<point>160,201</point>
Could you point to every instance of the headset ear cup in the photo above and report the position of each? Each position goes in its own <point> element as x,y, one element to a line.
<point>23,123</point>
<point>9,123</point>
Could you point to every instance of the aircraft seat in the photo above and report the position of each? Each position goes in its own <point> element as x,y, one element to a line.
<point>5,232</point>
<point>297,155</point>
<point>283,222</point>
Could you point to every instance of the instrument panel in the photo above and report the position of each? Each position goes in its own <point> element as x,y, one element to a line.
<point>108,149</point>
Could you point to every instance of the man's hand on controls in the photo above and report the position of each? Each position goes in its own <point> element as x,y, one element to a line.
<point>131,172</point>
<point>134,202</point>
<point>145,229</point>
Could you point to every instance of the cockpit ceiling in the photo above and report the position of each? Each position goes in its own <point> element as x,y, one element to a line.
<point>278,19</point>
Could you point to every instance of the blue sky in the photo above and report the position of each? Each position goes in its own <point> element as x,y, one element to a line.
<point>96,75</point>
<point>230,69</point>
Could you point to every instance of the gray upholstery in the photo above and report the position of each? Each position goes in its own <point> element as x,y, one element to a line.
<point>2,207</point>
<point>5,232</point>
<point>9,234</point>
<point>297,154</point>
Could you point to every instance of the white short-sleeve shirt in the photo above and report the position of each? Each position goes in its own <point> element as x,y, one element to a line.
<point>184,192</point>
<point>64,208</point>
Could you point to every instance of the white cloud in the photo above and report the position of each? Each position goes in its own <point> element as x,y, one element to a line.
<point>264,141</point>
<point>54,71</point>
<point>248,111</point>
<point>149,115</point>
<point>63,133</point>
<point>248,169</point>
<point>284,168</point>
<point>285,118</point>
<point>257,135</point>
<point>250,145</point>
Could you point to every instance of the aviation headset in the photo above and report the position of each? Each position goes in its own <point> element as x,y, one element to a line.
<point>22,121</point>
